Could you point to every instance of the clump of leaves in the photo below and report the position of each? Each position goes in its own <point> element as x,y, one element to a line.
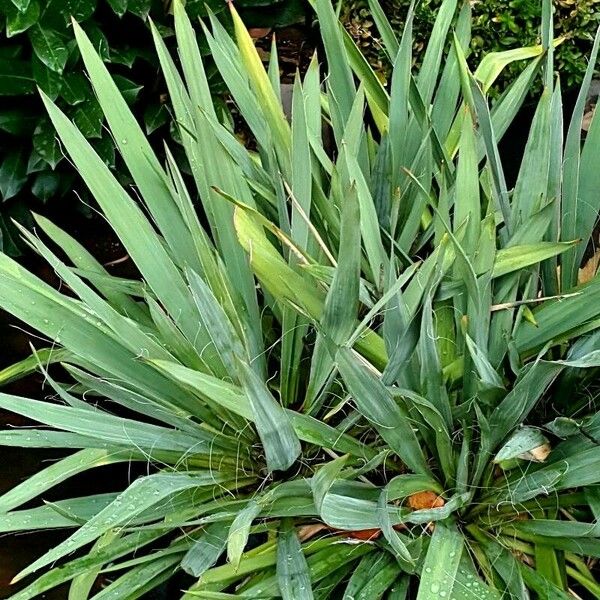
<point>38,49</point>
<point>364,377</point>
<point>496,26</point>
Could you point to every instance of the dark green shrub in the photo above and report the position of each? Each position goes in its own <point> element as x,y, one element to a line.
<point>497,25</point>
<point>37,48</point>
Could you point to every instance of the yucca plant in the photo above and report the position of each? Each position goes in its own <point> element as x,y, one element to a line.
<point>361,369</point>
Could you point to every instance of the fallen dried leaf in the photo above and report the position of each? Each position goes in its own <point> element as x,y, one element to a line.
<point>588,271</point>
<point>539,454</point>
<point>364,534</point>
<point>422,500</point>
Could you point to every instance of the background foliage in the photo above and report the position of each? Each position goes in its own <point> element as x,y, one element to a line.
<point>37,48</point>
<point>497,25</point>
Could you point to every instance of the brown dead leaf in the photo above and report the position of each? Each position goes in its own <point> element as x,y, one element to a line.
<point>309,531</point>
<point>428,499</point>
<point>364,534</point>
<point>539,454</point>
<point>587,272</point>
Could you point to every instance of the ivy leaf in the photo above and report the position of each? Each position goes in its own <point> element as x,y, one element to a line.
<point>128,55</point>
<point>88,117</point>
<point>105,147</point>
<point>18,22</point>
<point>80,10</point>
<point>49,46</point>
<point>21,5</point>
<point>99,40</point>
<point>13,174</point>
<point>51,82</point>
<point>46,144</point>
<point>198,8</point>
<point>141,8</point>
<point>155,116</point>
<point>36,163</point>
<point>17,121</point>
<point>45,185</point>
<point>75,89</point>
<point>15,78</point>
<point>129,89</point>
<point>119,6</point>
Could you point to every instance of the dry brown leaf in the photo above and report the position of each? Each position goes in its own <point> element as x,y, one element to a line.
<point>539,454</point>
<point>309,531</point>
<point>364,534</point>
<point>423,500</point>
<point>587,272</point>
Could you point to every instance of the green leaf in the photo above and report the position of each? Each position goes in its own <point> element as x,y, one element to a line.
<point>388,35</point>
<point>17,121</point>
<point>141,8</point>
<point>129,89</point>
<point>520,401</point>
<point>13,174</point>
<point>121,432</point>
<point>280,443</point>
<point>21,4</point>
<point>15,77</point>
<point>62,513</point>
<point>105,149</point>
<point>57,472</point>
<point>46,144</point>
<point>206,550</point>
<point>75,88</point>
<point>138,155</point>
<point>141,495</point>
<point>571,222</point>
<point>88,118</point>
<point>391,535</point>
<point>49,46</point>
<point>441,563</point>
<point>239,532</point>
<point>48,81</point>
<point>97,39</point>
<point>376,403</point>
<point>520,443</point>
<point>18,22</point>
<point>544,589</point>
<point>81,586</point>
<point>80,10</point>
<point>141,579</point>
<point>231,397</point>
<point>366,573</point>
<point>323,479</point>
<point>430,69</point>
<point>339,71</point>
<point>100,557</point>
<point>119,6</point>
<point>45,185</point>
<point>516,258</point>
<point>292,570</point>
<point>155,116</point>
